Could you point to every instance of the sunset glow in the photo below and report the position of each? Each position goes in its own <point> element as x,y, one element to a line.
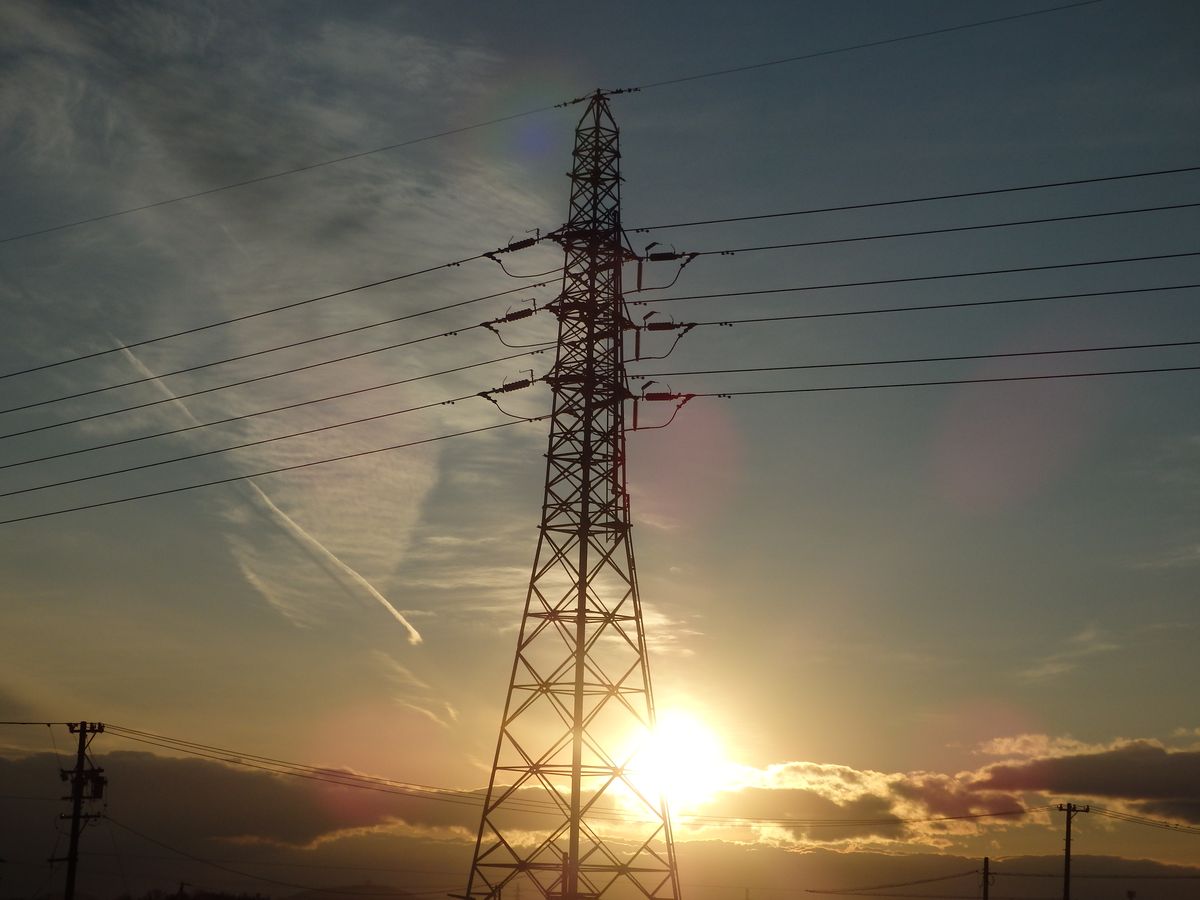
<point>682,760</point>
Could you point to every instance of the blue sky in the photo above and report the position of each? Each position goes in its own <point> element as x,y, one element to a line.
<point>900,588</point>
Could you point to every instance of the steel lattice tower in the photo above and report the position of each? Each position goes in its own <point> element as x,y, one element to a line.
<point>565,816</point>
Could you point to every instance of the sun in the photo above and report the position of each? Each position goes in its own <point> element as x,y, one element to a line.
<point>681,759</point>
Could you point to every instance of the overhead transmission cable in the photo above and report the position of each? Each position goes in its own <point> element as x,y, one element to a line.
<point>273,175</point>
<point>1160,345</point>
<point>862,46</point>
<point>251,415</point>
<point>530,112</point>
<point>684,397</point>
<point>257,443</point>
<point>274,471</point>
<point>241,382</point>
<point>928,198</point>
<point>792,245</point>
<point>453,400</point>
<point>262,412</point>
<point>915,278</point>
<point>274,309</point>
<point>911,384</point>
<point>278,347</point>
<point>935,306</point>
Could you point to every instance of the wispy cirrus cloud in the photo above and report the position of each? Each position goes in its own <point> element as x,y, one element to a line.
<point>1078,648</point>
<point>280,592</point>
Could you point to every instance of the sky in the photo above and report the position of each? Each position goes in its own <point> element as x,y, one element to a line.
<point>911,602</point>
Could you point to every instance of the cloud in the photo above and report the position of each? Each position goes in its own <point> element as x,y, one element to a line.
<point>1030,745</point>
<point>1087,643</point>
<point>348,578</point>
<point>1141,771</point>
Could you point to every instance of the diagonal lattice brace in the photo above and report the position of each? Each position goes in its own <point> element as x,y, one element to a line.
<point>562,815</point>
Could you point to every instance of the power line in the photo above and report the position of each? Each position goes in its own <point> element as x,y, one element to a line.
<point>370,782</point>
<point>863,46</point>
<point>257,443</point>
<point>898,884</point>
<point>1146,820</point>
<point>333,776</point>
<point>304,887</point>
<point>820,823</point>
<point>934,306</point>
<point>277,470</point>
<point>910,384</point>
<point>931,231</point>
<point>685,397</point>
<point>530,112</point>
<point>282,864</point>
<point>924,896</point>
<point>288,346</point>
<point>1121,875</point>
<point>264,312</point>
<point>261,178</point>
<point>258,378</point>
<point>961,195</point>
<point>920,359</point>
<point>915,278</point>
<point>262,412</point>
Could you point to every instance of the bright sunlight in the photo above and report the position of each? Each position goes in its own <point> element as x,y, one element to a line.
<point>682,759</point>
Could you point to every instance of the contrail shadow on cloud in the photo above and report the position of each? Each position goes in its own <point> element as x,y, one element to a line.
<point>346,576</point>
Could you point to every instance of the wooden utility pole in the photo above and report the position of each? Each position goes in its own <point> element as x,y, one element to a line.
<point>1071,810</point>
<point>82,776</point>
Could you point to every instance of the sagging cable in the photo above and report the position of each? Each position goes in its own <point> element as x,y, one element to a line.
<point>681,400</point>
<point>681,327</point>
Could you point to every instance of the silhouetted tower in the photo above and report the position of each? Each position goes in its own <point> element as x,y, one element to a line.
<point>564,811</point>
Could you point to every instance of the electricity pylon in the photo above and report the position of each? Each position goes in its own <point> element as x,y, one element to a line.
<point>566,812</point>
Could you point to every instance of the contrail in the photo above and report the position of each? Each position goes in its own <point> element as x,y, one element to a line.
<point>343,573</point>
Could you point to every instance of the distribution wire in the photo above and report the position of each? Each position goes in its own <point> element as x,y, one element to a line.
<point>925,896</point>
<point>336,776</point>
<point>241,383</point>
<point>288,346</point>
<point>264,879</point>
<point>274,471</point>
<point>1145,820</point>
<point>916,278</point>
<point>898,884</point>
<point>935,306</point>
<point>262,412</point>
<point>894,821</point>
<point>256,443</point>
<point>919,359</point>
<point>349,779</point>
<point>530,112</point>
<point>792,245</point>
<point>1123,876</point>
<point>863,46</point>
<point>876,204</point>
<point>278,863</point>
